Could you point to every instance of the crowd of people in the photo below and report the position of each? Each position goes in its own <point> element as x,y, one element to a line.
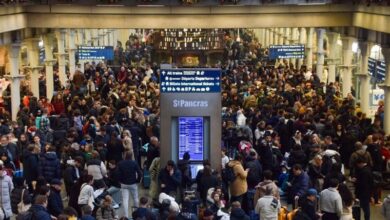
<point>287,137</point>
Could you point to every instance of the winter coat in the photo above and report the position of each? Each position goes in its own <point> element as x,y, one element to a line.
<point>97,169</point>
<point>171,182</point>
<point>154,170</point>
<point>385,210</point>
<point>238,214</point>
<point>105,213</point>
<point>300,184</point>
<point>141,213</point>
<point>129,172</point>
<point>16,197</point>
<point>255,172</point>
<point>40,212</point>
<point>50,167</point>
<point>54,203</point>
<point>261,188</point>
<point>30,165</point>
<point>5,193</point>
<point>239,186</point>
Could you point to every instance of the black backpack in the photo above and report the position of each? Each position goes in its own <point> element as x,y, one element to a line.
<point>27,215</point>
<point>228,174</point>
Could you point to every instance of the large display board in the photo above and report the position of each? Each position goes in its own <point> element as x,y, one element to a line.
<point>190,80</point>
<point>286,51</point>
<point>380,68</point>
<point>191,137</point>
<point>95,53</point>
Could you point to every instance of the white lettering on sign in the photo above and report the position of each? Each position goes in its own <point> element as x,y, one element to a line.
<point>181,103</point>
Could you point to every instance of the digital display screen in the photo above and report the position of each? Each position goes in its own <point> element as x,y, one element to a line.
<point>191,137</point>
<point>286,51</point>
<point>195,169</point>
<point>95,53</point>
<point>377,68</point>
<point>190,80</point>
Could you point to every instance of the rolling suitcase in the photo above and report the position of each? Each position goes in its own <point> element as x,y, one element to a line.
<point>146,179</point>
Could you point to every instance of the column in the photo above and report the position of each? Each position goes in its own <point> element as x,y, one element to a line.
<point>14,78</point>
<point>346,68</point>
<point>294,40</point>
<point>33,59</point>
<point>309,48</point>
<point>386,87</point>
<point>95,37</point>
<point>263,36</point>
<point>61,56</point>
<point>88,37</point>
<point>332,39</point>
<point>276,36</point>
<point>281,36</point>
<point>106,37</point>
<point>101,37</point>
<point>271,36</point>
<point>72,52</point>
<point>320,54</point>
<point>266,38</point>
<point>363,77</point>
<point>49,62</point>
<point>302,38</point>
<point>80,38</point>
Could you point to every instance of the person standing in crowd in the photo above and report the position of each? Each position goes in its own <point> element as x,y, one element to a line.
<point>206,181</point>
<point>237,213</point>
<point>299,183</point>
<point>72,173</point>
<point>105,211</point>
<point>55,205</point>
<point>39,208</point>
<point>154,170</point>
<point>169,178</point>
<point>268,206</point>
<point>30,165</point>
<point>267,183</point>
<point>49,165</point>
<point>97,169</point>
<point>113,182</point>
<point>331,204</point>
<point>86,196</point>
<point>360,151</point>
<point>374,148</point>
<point>363,180</point>
<point>239,186</point>
<point>143,212</point>
<point>385,209</point>
<point>129,175</point>
<point>153,151</point>
<point>348,200</point>
<point>6,187</point>
<point>19,193</point>
<point>308,206</point>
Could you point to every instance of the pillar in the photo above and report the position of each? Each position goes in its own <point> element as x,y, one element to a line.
<point>106,37</point>
<point>88,37</point>
<point>61,56</point>
<point>33,59</point>
<point>294,41</point>
<point>266,38</point>
<point>49,62</point>
<point>276,36</point>
<point>346,68</point>
<point>309,48</point>
<point>271,36</point>
<point>72,52</point>
<point>363,77</point>
<point>14,78</point>
<point>302,38</point>
<point>101,37</point>
<point>386,88</point>
<point>281,36</point>
<point>320,54</point>
<point>95,37</point>
<point>332,39</point>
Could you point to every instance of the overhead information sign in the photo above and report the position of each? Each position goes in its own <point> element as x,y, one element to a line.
<point>380,68</point>
<point>191,137</point>
<point>95,53</point>
<point>286,51</point>
<point>190,81</point>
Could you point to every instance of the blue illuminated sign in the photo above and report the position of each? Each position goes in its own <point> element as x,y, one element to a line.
<point>190,80</point>
<point>95,53</point>
<point>286,51</point>
<point>380,68</point>
<point>191,137</point>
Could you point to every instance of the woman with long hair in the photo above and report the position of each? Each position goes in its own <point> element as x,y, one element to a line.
<point>347,198</point>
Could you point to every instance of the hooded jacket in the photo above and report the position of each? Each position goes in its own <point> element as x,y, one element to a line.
<point>239,186</point>
<point>238,214</point>
<point>50,167</point>
<point>6,187</point>
<point>30,164</point>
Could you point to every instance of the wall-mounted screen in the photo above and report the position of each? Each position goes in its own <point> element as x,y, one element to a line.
<point>191,137</point>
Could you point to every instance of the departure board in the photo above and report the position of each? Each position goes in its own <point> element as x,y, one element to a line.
<point>191,137</point>
<point>286,51</point>
<point>95,53</point>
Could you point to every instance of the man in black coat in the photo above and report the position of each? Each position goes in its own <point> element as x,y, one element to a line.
<point>54,205</point>
<point>256,171</point>
<point>169,178</point>
<point>50,166</point>
<point>30,165</point>
<point>363,184</point>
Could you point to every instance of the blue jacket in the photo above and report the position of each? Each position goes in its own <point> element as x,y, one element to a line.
<point>129,172</point>
<point>54,203</point>
<point>87,217</point>
<point>300,184</point>
<point>40,212</point>
<point>171,182</point>
<point>50,167</point>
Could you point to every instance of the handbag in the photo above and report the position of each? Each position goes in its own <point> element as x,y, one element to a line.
<point>21,206</point>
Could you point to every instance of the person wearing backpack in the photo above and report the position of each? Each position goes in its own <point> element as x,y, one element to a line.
<point>238,186</point>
